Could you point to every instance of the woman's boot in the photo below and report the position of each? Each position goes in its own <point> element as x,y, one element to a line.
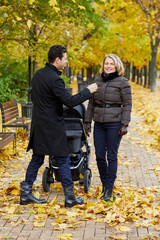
<point>26,196</point>
<point>70,199</point>
<point>107,195</point>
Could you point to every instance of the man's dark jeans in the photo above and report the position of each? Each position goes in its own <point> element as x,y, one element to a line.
<point>106,139</point>
<point>33,167</point>
<point>63,168</point>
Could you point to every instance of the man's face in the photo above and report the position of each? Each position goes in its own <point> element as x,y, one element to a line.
<point>62,62</point>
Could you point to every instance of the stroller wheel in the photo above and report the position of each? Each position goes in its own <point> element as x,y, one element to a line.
<point>87,180</point>
<point>47,179</point>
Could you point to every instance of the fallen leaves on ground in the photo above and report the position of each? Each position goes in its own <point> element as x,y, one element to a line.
<point>65,236</point>
<point>128,204</point>
<point>114,237</point>
<point>147,105</point>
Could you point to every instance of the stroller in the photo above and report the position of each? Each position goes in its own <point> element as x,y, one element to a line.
<point>79,159</point>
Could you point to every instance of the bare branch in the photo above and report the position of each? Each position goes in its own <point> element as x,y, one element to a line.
<point>41,30</point>
<point>140,3</point>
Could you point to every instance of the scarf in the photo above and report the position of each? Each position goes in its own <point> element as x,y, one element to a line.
<point>110,76</point>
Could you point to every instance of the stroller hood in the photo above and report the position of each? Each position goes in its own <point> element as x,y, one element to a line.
<point>75,112</point>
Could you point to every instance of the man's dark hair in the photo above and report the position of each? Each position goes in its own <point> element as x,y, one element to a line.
<point>56,51</point>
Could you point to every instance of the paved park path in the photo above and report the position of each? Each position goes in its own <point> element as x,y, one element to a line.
<point>136,169</point>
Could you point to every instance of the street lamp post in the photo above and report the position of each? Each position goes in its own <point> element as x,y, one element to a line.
<point>27,108</point>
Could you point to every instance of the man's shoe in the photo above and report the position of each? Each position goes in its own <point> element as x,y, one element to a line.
<point>26,196</point>
<point>70,199</point>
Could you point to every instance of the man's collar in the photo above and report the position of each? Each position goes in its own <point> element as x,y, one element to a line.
<point>54,68</point>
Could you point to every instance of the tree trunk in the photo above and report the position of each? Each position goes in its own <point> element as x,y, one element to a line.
<point>30,65</point>
<point>34,66</point>
<point>133,73</point>
<point>82,74</point>
<point>149,67</point>
<point>137,76</point>
<point>153,67</point>
<point>65,71</point>
<point>34,54</point>
<point>94,73</point>
<point>153,72</point>
<point>127,72</point>
<point>70,72</point>
<point>141,76</point>
<point>89,75</point>
<point>145,76</point>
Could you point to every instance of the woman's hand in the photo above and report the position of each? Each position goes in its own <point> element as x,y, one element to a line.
<point>123,130</point>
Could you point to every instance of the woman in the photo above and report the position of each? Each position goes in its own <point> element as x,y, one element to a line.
<point>110,108</point>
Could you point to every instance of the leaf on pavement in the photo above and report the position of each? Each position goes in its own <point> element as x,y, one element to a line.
<point>65,236</point>
<point>125,229</point>
<point>38,224</point>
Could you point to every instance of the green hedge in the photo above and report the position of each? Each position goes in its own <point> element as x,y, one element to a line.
<point>13,80</point>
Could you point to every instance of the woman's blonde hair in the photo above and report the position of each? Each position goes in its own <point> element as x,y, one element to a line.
<point>118,64</point>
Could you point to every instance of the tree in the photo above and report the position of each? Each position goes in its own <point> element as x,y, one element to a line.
<point>128,36</point>
<point>29,22</point>
<point>122,35</point>
<point>125,37</point>
<point>27,28</point>
<point>151,10</point>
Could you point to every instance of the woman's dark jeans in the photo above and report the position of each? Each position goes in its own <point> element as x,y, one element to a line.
<point>63,169</point>
<point>106,139</point>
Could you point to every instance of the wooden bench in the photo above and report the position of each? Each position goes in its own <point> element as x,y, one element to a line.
<point>6,138</point>
<point>10,117</point>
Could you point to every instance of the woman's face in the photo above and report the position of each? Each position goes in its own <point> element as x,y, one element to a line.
<point>109,66</point>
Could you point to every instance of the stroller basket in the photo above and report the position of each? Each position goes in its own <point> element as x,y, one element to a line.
<point>76,166</point>
<point>72,164</point>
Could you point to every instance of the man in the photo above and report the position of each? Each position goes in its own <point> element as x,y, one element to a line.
<point>48,136</point>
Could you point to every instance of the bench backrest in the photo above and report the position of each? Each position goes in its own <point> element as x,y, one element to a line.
<point>9,111</point>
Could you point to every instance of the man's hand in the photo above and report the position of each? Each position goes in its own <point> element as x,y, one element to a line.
<point>93,87</point>
<point>88,129</point>
<point>123,130</point>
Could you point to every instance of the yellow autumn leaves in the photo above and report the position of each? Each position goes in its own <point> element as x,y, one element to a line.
<point>131,205</point>
<point>147,105</point>
<point>65,236</point>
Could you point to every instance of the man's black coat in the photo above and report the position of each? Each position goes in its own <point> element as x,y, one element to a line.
<point>48,135</point>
